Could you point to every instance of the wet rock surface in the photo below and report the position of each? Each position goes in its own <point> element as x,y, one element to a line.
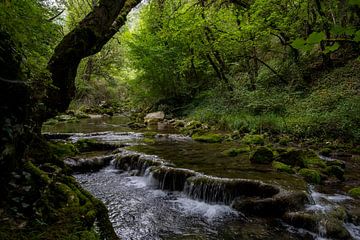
<point>173,187</point>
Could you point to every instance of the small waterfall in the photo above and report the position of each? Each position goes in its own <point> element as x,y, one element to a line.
<point>195,185</point>
<point>225,190</point>
<point>129,161</point>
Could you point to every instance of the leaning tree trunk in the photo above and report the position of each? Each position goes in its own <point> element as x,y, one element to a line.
<point>88,38</point>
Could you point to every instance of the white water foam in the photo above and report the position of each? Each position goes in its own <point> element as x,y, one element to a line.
<point>325,202</point>
<point>210,212</point>
<point>108,136</point>
<point>353,230</point>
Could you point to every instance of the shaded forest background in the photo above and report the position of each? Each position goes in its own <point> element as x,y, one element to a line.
<point>282,67</point>
<point>254,66</point>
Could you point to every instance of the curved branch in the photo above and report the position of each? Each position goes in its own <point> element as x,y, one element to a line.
<point>88,38</point>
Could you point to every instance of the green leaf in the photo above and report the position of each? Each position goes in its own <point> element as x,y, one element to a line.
<point>332,48</point>
<point>316,37</point>
<point>357,36</point>
<point>298,43</point>
<point>337,30</point>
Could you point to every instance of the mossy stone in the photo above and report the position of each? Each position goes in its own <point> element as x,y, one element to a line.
<point>150,134</point>
<point>262,155</point>
<point>310,175</point>
<point>208,137</point>
<point>355,192</point>
<point>149,140</point>
<point>61,149</point>
<point>233,152</point>
<point>292,157</point>
<point>325,152</point>
<point>336,171</point>
<point>284,140</point>
<point>256,139</point>
<point>282,167</point>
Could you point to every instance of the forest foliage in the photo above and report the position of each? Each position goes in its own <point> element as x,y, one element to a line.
<point>253,66</point>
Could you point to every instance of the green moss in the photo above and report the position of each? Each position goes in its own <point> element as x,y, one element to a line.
<point>208,137</point>
<point>284,140</point>
<point>310,175</point>
<point>61,149</point>
<point>336,171</point>
<point>39,175</point>
<point>149,134</point>
<point>262,155</point>
<point>84,145</point>
<point>149,140</point>
<point>51,121</point>
<point>355,192</point>
<point>325,152</point>
<point>281,167</point>
<point>233,152</point>
<point>253,139</point>
<point>313,161</point>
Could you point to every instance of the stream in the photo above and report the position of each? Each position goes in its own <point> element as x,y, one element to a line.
<point>149,198</point>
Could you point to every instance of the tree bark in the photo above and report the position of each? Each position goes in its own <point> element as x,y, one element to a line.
<point>88,38</point>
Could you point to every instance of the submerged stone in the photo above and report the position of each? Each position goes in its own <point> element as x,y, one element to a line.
<point>262,155</point>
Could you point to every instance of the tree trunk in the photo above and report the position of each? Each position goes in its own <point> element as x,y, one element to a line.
<point>92,33</point>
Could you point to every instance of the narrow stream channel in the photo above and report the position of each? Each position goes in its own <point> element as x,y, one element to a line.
<point>139,210</point>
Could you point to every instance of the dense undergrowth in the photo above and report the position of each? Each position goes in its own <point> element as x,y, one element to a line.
<point>329,109</point>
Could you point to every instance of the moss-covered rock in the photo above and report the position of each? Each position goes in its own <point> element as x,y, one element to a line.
<point>355,192</point>
<point>256,139</point>
<point>149,140</point>
<point>233,152</point>
<point>303,220</point>
<point>87,145</point>
<point>338,163</point>
<point>275,206</point>
<point>150,134</point>
<point>325,152</point>
<point>208,137</point>
<point>63,149</point>
<point>282,167</point>
<point>291,156</point>
<point>262,155</point>
<point>310,175</point>
<point>284,140</point>
<point>335,229</point>
<point>336,171</point>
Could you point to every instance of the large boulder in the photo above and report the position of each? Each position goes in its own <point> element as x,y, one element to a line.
<point>154,117</point>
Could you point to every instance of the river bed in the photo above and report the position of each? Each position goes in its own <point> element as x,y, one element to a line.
<point>138,209</point>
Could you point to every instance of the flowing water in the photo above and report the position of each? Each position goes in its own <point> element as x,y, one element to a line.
<point>144,202</point>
